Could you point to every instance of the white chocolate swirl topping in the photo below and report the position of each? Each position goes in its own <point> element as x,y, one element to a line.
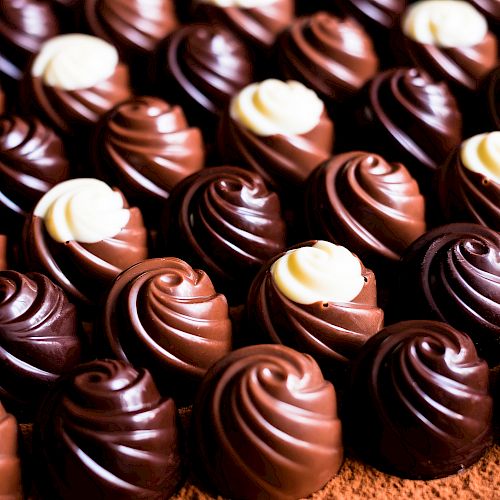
<point>444,23</point>
<point>75,61</point>
<point>323,272</point>
<point>481,154</point>
<point>275,107</point>
<point>243,4</point>
<point>82,210</point>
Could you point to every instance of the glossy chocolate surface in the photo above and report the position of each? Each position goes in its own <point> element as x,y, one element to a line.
<point>490,102</point>
<point>265,425</point>
<point>452,274</point>
<point>105,432</point>
<point>10,468</point>
<point>38,336</point>
<point>167,317</point>
<point>418,403</point>
<point>3,252</point>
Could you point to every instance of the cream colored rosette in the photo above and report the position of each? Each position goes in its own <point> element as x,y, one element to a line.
<point>481,154</point>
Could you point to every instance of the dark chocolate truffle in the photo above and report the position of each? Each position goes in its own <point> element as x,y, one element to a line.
<point>166,316</point>
<point>105,432</point>
<point>452,274</point>
<point>417,401</point>
<point>225,221</point>
<point>38,336</point>
<point>10,467</point>
<point>265,425</point>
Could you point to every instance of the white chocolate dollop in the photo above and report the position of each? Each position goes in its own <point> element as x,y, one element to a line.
<point>444,23</point>
<point>276,107</point>
<point>323,272</point>
<point>243,4</point>
<point>82,210</point>
<point>75,61</point>
<point>481,154</point>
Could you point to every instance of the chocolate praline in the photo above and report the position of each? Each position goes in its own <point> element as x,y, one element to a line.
<point>417,401</point>
<point>10,467</point>
<point>265,425</point>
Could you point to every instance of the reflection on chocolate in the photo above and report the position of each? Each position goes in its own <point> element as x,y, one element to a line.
<point>32,160</point>
<point>418,403</point>
<point>105,432</point>
<point>452,274</point>
<point>265,425</point>
<point>167,317</point>
<point>38,336</point>
<point>2,101</point>
<point>3,252</point>
<point>225,221</point>
<point>10,468</point>
<point>490,102</point>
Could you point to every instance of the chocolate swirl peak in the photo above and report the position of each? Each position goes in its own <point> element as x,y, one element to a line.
<point>226,221</point>
<point>38,336</point>
<point>367,204</point>
<point>339,315</point>
<point>105,432</point>
<point>452,274</point>
<point>166,316</point>
<point>10,468</point>
<point>418,402</point>
<point>265,425</point>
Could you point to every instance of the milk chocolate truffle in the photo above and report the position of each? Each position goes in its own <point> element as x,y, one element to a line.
<point>74,80</point>
<point>418,403</point>
<point>279,129</point>
<point>10,467</point>
<point>105,432</point>
<point>38,336</point>
<point>265,425</point>
<point>32,160</point>
<point>166,316</point>
<point>317,298</point>
<point>225,221</point>
<point>452,274</point>
<point>82,234</point>
<point>469,183</point>
<point>331,55</point>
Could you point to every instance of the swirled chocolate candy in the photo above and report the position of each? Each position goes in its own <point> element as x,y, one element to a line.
<point>166,316</point>
<point>105,432</point>
<point>82,234</point>
<point>38,336</point>
<point>279,129</point>
<point>332,56</point>
<point>452,274</point>
<point>145,147</point>
<point>418,403</point>
<point>265,425</point>
<point>372,207</point>
<point>32,160</point>
<point>10,468</point>
<point>225,221</point>
<point>489,106</point>
<point>317,298</point>
<point>469,183</point>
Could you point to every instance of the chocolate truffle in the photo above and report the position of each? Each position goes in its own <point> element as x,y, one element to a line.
<point>38,336</point>
<point>32,160</point>
<point>10,467</point>
<point>265,425</point>
<point>166,316</point>
<point>82,234</point>
<point>105,432</point>
<point>469,183</point>
<point>279,129</point>
<point>317,298</point>
<point>225,221</point>
<point>332,56</point>
<point>452,274</point>
<point>417,401</point>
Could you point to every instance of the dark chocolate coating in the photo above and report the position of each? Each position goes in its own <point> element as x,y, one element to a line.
<point>368,205</point>
<point>331,55</point>
<point>38,336</point>
<point>452,274</point>
<point>105,432</point>
<point>331,332</point>
<point>32,161</point>
<point>418,403</point>
<point>225,221</point>
<point>265,425</point>
<point>167,317</point>
<point>490,102</point>
<point>10,468</point>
